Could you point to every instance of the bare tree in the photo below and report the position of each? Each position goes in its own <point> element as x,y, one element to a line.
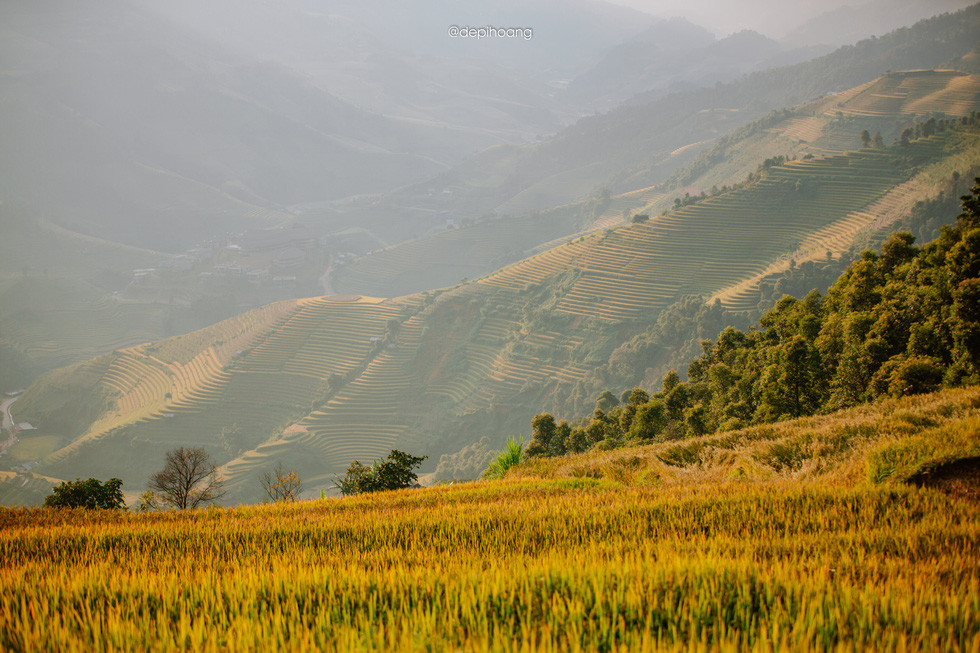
<point>189,479</point>
<point>281,485</point>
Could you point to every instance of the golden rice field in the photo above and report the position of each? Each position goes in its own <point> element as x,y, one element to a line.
<point>795,536</point>
<point>514,565</point>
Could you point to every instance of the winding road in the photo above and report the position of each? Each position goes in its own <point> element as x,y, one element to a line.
<point>7,422</point>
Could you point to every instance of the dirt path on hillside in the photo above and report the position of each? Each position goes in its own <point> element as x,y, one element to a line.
<point>7,422</point>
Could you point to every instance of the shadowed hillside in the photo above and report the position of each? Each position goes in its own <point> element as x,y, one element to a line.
<point>130,127</point>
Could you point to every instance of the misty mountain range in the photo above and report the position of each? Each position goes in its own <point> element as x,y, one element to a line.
<point>164,124</point>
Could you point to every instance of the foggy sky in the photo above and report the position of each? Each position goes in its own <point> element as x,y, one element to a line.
<point>780,18</point>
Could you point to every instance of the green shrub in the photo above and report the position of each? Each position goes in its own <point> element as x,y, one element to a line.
<point>396,473</point>
<point>915,376</point>
<point>90,493</point>
<point>505,459</point>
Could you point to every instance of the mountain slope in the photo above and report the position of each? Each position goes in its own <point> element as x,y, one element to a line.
<point>828,126</point>
<point>643,143</point>
<point>212,141</point>
<point>322,381</point>
<point>128,127</point>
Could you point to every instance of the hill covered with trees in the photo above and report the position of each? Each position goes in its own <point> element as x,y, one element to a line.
<point>899,322</point>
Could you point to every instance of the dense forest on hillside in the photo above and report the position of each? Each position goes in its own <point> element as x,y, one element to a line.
<point>675,338</point>
<point>902,321</point>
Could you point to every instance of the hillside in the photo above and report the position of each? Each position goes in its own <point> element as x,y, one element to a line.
<point>49,321</point>
<point>648,139</point>
<point>896,323</point>
<point>885,106</point>
<point>887,443</point>
<point>321,381</point>
<point>133,128</point>
<point>261,134</point>
<point>822,128</point>
<point>723,548</point>
<point>825,128</point>
<point>45,324</point>
<point>698,374</point>
<point>144,130</point>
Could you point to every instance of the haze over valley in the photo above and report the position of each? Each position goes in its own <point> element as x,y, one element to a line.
<point>316,231</point>
<point>497,325</point>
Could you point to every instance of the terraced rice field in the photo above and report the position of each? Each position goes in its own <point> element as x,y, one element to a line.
<point>470,251</point>
<point>917,92</point>
<point>700,248</point>
<point>367,415</point>
<point>287,370</point>
<point>788,561</point>
<point>236,401</point>
<point>631,549</point>
<point>958,153</point>
<point>323,381</point>
<point>807,129</point>
<point>375,411</point>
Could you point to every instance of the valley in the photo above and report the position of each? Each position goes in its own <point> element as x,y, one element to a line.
<point>511,281</point>
<point>321,381</point>
<point>518,325</point>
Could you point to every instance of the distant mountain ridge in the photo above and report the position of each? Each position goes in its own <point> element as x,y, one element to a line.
<point>676,55</point>
<point>127,127</point>
<point>855,21</point>
<point>648,139</point>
